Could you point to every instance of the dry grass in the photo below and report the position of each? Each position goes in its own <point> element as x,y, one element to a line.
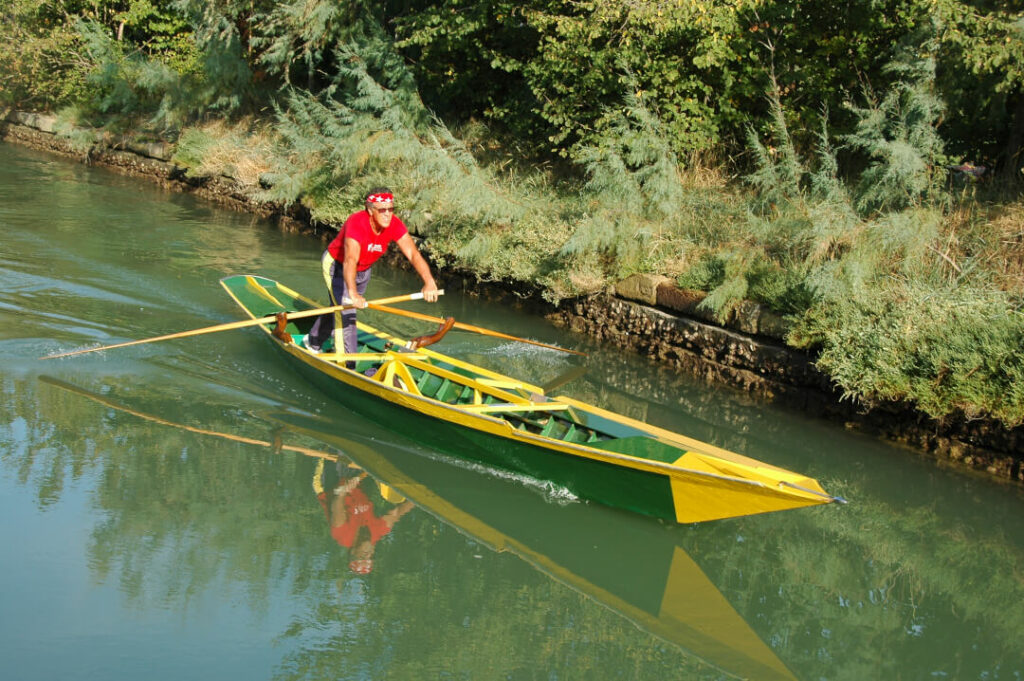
<point>991,235</point>
<point>241,151</point>
<point>1008,244</point>
<point>704,172</point>
<point>587,277</point>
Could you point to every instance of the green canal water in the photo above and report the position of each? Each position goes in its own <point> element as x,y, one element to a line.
<point>162,516</point>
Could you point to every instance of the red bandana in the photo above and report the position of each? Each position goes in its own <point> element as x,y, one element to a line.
<point>380,198</point>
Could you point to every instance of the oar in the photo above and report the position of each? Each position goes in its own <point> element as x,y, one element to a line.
<point>377,305</point>
<point>242,324</point>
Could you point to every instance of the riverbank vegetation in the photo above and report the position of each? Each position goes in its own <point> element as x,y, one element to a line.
<point>857,168</point>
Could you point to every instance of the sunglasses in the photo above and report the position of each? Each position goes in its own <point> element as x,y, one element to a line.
<point>388,209</point>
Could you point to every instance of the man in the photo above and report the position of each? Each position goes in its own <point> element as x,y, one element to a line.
<point>363,238</point>
<point>353,517</point>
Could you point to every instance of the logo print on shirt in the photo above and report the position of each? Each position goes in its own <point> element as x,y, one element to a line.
<point>374,248</point>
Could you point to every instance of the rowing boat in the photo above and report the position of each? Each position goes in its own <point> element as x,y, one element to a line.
<point>498,421</point>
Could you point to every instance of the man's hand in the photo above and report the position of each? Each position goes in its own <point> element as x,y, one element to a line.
<point>356,299</point>
<point>429,292</point>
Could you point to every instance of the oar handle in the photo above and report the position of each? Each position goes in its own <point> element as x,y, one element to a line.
<point>347,306</point>
<point>242,324</point>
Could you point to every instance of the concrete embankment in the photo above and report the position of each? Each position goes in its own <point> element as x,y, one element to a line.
<point>645,313</point>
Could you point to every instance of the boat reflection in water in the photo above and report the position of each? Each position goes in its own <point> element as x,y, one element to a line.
<point>631,565</point>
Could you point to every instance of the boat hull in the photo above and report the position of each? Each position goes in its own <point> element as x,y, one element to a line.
<point>493,420</point>
<point>634,490</point>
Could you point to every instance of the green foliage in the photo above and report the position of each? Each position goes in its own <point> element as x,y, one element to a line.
<point>75,47</point>
<point>221,29</point>
<point>779,171</point>
<point>549,73</point>
<point>682,55</point>
<point>297,38</point>
<point>129,85</point>
<point>945,349</point>
<point>800,218</point>
<point>38,65</point>
<point>333,152</point>
<point>707,273</point>
<point>634,182</point>
<point>468,59</point>
<point>981,58</point>
<point>899,135</point>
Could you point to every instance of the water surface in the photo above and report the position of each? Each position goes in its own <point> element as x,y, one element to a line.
<point>164,517</point>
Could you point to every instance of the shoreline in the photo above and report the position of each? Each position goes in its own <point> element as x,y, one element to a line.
<point>647,314</point>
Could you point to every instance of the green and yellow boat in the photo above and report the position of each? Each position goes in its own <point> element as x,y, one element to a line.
<point>485,417</point>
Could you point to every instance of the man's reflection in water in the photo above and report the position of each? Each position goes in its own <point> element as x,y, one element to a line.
<point>352,516</point>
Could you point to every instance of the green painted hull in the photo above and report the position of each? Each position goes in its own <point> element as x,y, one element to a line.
<point>469,412</point>
<point>615,486</point>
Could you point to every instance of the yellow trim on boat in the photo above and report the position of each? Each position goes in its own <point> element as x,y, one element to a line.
<point>261,290</point>
<point>360,356</point>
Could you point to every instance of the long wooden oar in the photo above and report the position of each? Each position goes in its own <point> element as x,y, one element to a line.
<point>242,324</point>
<point>377,305</point>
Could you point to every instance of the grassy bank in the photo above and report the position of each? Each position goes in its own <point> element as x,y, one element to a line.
<point>920,303</point>
<point>898,266</point>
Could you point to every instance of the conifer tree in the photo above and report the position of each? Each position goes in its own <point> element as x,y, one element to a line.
<point>899,135</point>
<point>633,174</point>
<point>222,32</point>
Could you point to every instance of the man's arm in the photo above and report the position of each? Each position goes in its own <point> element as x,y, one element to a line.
<point>395,514</point>
<point>419,263</point>
<point>348,271</point>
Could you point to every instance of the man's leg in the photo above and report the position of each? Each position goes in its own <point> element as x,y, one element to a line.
<point>324,325</point>
<point>348,317</point>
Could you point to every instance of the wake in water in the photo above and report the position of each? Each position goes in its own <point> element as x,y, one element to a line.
<point>548,490</point>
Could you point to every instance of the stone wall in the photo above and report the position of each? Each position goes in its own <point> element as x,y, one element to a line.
<point>759,364</point>
<point>647,314</point>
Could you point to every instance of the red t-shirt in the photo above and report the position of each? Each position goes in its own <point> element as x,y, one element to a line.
<point>371,244</point>
<point>360,514</point>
